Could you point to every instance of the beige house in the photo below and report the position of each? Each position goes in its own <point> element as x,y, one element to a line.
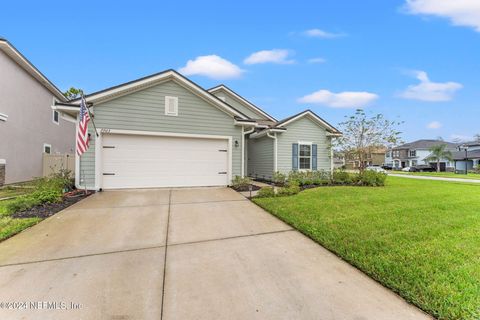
<point>28,125</point>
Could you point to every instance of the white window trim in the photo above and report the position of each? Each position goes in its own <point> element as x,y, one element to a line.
<point>53,117</point>
<point>305,143</point>
<point>47,145</point>
<point>3,117</point>
<point>167,98</point>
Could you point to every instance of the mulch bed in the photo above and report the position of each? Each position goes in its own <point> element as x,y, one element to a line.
<point>49,209</point>
<point>246,188</point>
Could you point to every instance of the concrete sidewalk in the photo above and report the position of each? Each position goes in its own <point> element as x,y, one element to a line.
<point>433,178</point>
<point>204,253</point>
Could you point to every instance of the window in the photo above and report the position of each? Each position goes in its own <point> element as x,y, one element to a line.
<point>396,153</point>
<point>55,116</point>
<point>413,153</point>
<point>171,106</point>
<point>304,156</point>
<point>47,148</point>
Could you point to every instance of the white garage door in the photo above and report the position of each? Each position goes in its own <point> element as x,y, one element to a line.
<point>133,161</point>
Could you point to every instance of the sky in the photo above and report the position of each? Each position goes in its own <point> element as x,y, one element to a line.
<point>415,61</point>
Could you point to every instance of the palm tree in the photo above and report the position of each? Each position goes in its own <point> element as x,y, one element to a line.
<point>439,152</point>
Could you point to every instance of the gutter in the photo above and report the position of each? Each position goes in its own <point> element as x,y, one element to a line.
<point>266,132</point>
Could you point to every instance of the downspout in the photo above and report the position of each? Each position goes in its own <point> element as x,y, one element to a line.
<point>331,155</point>
<point>274,137</point>
<point>243,147</point>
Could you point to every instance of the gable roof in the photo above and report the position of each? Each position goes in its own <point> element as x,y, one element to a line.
<point>26,65</point>
<point>242,100</point>
<point>313,116</point>
<point>426,144</point>
<point>157,78</point>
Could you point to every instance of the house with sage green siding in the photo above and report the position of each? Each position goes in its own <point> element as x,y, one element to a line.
<point>166,131</point>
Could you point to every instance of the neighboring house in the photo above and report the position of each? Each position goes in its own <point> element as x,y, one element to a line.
<point>470,156</point>
<point>417,153</point>
<point>166,131</point>
<point>376,157</point>
<point>28,126</point>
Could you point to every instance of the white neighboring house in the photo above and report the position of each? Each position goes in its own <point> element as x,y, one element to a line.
<point>417,153</point>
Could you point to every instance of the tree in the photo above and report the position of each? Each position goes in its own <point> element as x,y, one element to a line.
<point>73,93</point>
<point>363,134</point>
<point>439,152</point>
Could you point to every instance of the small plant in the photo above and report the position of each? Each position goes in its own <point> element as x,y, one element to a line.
<point>279,178</point>
<point>266,192</point>
<point>241,184</point>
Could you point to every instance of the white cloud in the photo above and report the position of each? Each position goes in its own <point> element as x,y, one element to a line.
<point>279,56</point>
<point>460,12</point>
<point>317,33</point>
<point>211,66</point>
<point>317,60</point>
<point>427,90</point>
<point>434,125</point>
<point>346,99</point>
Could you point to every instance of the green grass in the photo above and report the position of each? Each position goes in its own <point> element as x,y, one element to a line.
<point>474,176</point>
<point>420,238</point>
<point>10,226</point>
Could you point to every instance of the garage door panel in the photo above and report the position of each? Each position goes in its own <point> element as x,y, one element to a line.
<point>144,161</point>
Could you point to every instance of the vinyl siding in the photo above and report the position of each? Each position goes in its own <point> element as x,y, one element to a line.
<point>145,111</point>
<point>260,157</point>
<point>239,105</point>
<point>304,130</point>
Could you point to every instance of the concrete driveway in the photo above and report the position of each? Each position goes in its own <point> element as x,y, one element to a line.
<point>204,253</point>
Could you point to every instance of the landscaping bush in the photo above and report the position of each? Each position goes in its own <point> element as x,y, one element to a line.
<point>266,192</point>
<point>47,190</point>
<point>341,177</point>
<point>239,183</point>
<point>279,178</point>
<point>316,177</point>
<point>370,178</point>
<point>292,188</point>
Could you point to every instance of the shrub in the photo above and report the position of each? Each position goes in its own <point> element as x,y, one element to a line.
<point>292,188</point>
<point>266,192</point>
<point>341,177</point>
<point>371,178</point>
<point>279,178</point>
<point>316,177</point>
<point>47,190</point>
<point>241,183</point>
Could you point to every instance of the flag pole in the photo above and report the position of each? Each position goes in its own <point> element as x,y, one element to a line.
<point>90,115</point>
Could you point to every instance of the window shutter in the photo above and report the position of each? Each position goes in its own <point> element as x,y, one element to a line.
<point>314,157</point>
<point>295,156</point>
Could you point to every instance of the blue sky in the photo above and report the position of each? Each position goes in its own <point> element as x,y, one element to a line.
<point>414,60</point>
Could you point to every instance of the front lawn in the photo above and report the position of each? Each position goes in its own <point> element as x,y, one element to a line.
<point>474,176</point>
<point>420,238</point>
<point>9,225</point>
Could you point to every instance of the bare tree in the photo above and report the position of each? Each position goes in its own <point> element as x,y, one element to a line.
<point>363,134</point>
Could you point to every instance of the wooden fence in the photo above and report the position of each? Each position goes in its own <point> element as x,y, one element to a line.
<point>53,163</point>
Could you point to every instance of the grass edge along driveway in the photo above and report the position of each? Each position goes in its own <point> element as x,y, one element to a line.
<point>419,238</point>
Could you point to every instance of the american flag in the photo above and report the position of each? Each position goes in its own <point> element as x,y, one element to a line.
<point>83,139</point>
